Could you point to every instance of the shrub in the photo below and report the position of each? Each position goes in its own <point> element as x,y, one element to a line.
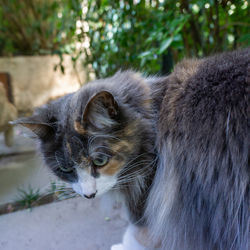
<point>152,35</point>
<point>37,27</point>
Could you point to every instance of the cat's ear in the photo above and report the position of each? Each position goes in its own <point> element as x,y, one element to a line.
<point>101,111</point>
<point>41,129</point>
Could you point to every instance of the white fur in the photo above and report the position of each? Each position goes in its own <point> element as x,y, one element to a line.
<point>129,241</point>
<point>117,247</point>
<point>88,185</point>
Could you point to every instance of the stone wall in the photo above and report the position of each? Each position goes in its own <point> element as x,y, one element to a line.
<point>35,82</point>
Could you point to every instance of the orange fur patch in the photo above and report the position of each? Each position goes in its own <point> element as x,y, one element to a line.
<point>122,146</point>
<point>79,128</point>
<point>111,168</point>
<point>130,130</point>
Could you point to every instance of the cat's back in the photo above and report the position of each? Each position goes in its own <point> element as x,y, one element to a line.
<point>207,102</point>
<point>203,143</point>
<point>207,90</point>
<point>207,105</point>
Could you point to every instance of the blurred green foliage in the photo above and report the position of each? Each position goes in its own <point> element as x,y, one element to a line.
<point>146,35</point>
<point>143,34</point>
<point>31,27</point>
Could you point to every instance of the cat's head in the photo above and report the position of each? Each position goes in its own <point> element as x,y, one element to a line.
<point>97,137</point>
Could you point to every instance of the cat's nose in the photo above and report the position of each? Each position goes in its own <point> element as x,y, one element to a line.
<point>91,196</point>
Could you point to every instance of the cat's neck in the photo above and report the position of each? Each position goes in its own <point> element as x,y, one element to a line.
<point>136,190</point>
<point>158,86</point>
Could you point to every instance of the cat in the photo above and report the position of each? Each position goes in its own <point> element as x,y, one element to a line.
<point>8,112</point>
<point>175,147</point>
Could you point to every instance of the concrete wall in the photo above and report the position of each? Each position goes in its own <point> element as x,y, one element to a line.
<point>35,82</point>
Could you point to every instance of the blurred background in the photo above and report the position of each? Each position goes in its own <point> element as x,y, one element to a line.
<point>49,48</point>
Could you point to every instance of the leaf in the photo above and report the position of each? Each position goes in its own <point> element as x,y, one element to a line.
<point>62,68</point>
<point>144,54</point>
<point>165,44</point>
<point>181,24</point>
<point>245,38</point>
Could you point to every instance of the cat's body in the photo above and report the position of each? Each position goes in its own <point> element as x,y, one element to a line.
<point>176,148</point>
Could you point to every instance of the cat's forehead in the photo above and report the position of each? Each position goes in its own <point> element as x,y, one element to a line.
<point>86,142</point>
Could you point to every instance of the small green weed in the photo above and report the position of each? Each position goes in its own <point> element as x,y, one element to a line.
<point>26,198</point>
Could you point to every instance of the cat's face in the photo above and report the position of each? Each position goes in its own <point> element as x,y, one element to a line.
<point>89,140</point>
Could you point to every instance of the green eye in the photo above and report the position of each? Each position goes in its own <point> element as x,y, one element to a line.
<point>101,160</point>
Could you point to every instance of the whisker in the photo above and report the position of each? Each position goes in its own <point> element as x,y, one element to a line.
<point>134,175</point>
<point>96,136</point>
<point>78,141</point>
<point>102,146</point>
<point>65,196</point>
<point>107,136</point>
<point>127,167</point>
<point>130,179</point>
<point>90,141</point>
<point>136,158</point>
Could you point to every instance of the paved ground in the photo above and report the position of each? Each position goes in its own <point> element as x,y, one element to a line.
<point>21,167</point>
<point>75,224</point>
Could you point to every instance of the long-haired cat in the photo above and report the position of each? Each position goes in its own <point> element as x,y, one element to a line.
<point>175,147</point>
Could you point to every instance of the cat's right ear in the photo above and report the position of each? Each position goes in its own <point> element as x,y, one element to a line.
<point>41,129</point>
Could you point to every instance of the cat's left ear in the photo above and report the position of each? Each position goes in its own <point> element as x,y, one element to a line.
<point>41,129</point>
<point>102,111</point>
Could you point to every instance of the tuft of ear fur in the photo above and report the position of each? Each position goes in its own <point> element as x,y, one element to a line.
<point>101,111</point>
<point>41,129</point>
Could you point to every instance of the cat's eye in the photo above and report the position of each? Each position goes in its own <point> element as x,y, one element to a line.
<point>66,170</point>
<point>61,162</point>
<point>100,160</point>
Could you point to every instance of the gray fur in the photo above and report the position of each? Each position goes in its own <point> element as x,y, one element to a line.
<point>203,143</point>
